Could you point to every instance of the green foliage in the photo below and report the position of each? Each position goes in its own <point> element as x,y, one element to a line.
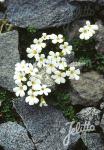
<point>31,29</point>
<point>86,61</point>
<point>86,53</point>
<point>6,109</point>
<point>63,103</point>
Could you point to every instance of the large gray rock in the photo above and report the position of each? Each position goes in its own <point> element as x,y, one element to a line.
<point>9,56</point>
<point>39,13</point>
<point>46,126</point>
<point>102,123</point>
<point>93,141</point>
<point>14,137</point>
<point>89,114</point>
<point>88,90</point>
<point>42,13</point>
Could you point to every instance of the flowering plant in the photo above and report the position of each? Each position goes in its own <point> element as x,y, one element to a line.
<point>55,63</point>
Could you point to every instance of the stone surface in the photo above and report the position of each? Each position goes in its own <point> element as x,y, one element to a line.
<point>9,56</point>
<point>100,37</point>
<point>2,15</point>
<point>43,13</point>
<point>39,13</point>
<point>102,123</point>
<point>46,126</point>
<point>93,141</point>
<point>88,90</point>
<point>89,114</point>
<point>14,137</point>
<point>71,31</point>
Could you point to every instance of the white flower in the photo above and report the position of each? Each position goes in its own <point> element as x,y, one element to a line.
<point>39,43</point>
<point>57,39</point>
<point>66,48</point>
<point>50,66</point>
<point>31,70</point>
<point>87,31</point>
<point>20,90</point>
<point>59,77</point>
<point>45,36</point>
<point>35,83</point>
<point>54,56</point>
<point>33,51</point>
<point>62,64</point>
<point>21,66</point>
<point>73,73</point>
<point>19,76</point>
<point>44,90</point>
<point>31,98</point>
<point>94,27</point>
<point>41,60</point>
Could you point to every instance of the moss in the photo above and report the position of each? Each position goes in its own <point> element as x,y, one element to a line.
<point>63,103</point>
<point>6,109</point>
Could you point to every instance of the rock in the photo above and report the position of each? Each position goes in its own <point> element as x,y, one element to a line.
<point>44,13</point>
<point>83,1</point>
<point>102,123</point>
<point>39,13</point>
<point>102,105</point>
<point>14,137</point>
<point>9,56</point>
<point>100,37</point>
<point>93,141</point>
<point>89,114</point>
<point>88,90</point>
<point>45,125</point>
<point>101,2</point>
<point>2,15</point>
<point>71,31</point>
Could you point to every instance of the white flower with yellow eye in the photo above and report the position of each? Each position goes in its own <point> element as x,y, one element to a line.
<point>19,76</point>
<point>33,51</point>
<point>39,43</point>
<point>34,83</point>
<point>87,31</point>
<point>44,90</point>
<point>59,77</point>
<point>57,38</point>
<point>31,98</point>
<point>50,66</point>
<point>66,48</point>
<point>41,60</point>
<point>20,90</point>
<point>73,73</point>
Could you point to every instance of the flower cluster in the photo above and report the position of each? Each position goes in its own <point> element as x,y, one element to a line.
<point>26,74</point>
<point>27,82</point>
<point>87,31</point>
